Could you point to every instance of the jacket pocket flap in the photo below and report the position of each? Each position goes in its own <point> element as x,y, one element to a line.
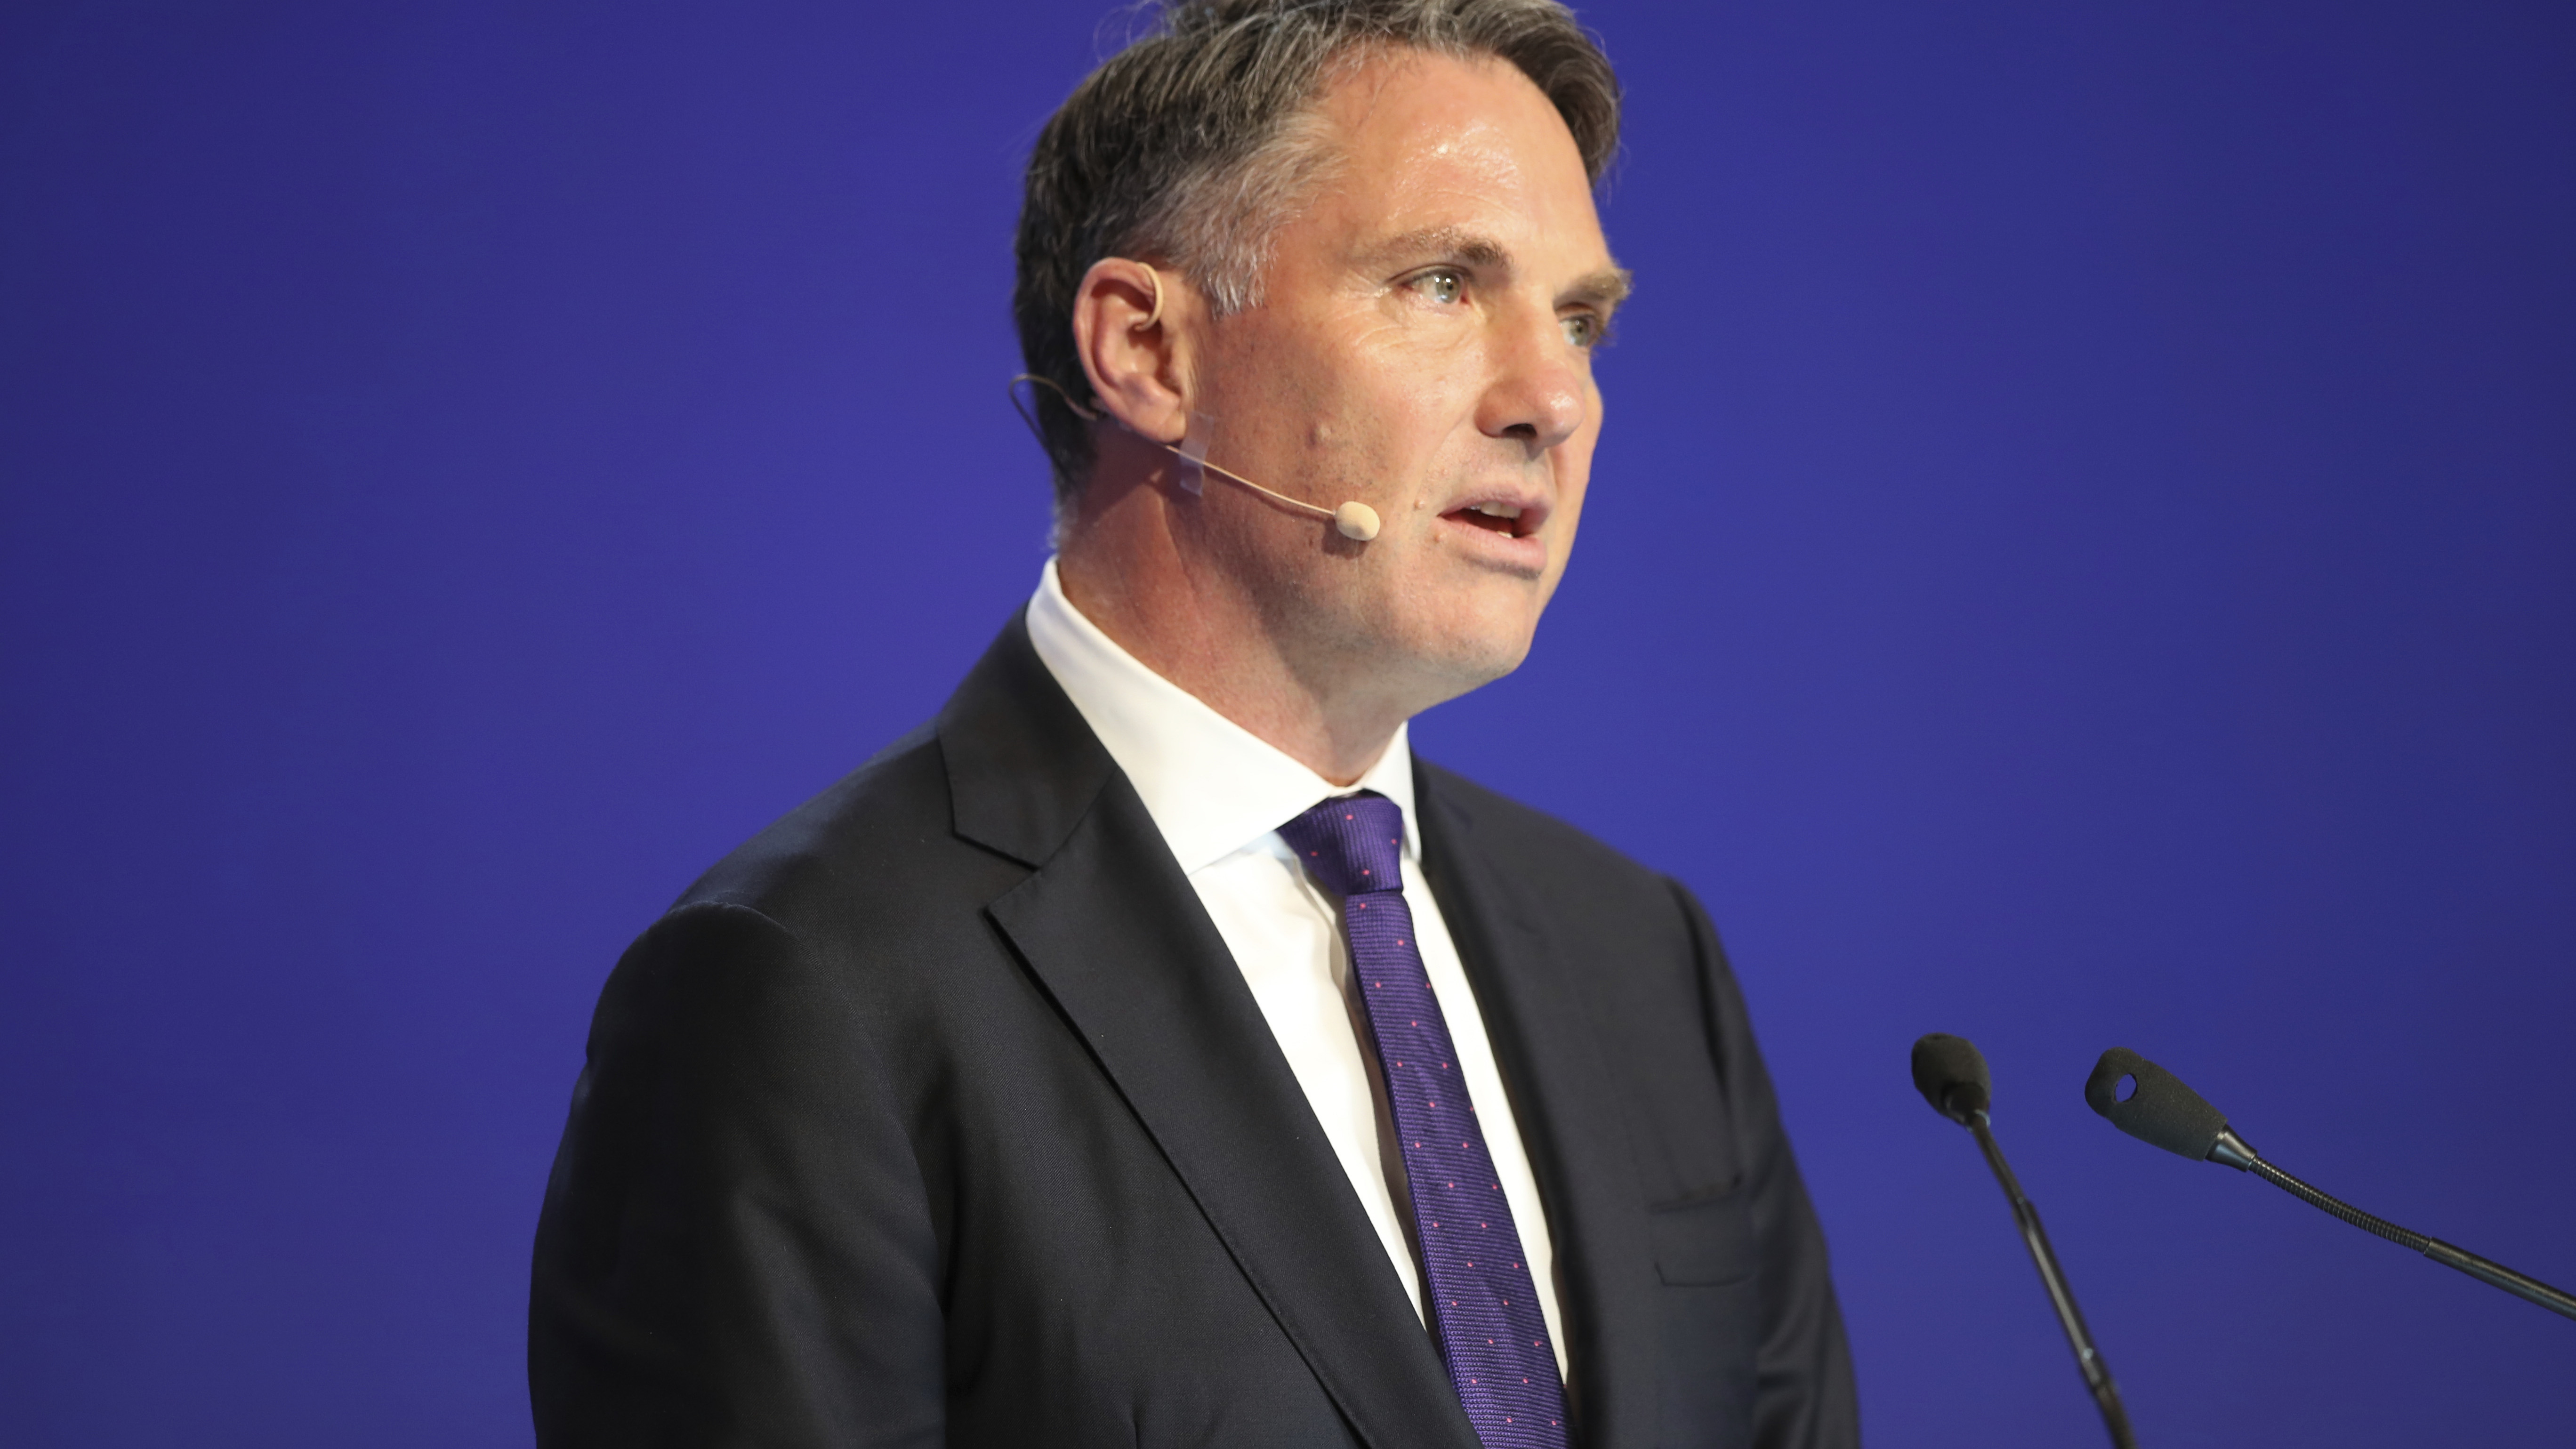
<point>1706,1241</point>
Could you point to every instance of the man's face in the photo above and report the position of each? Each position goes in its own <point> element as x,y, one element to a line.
<point>1424,346</point>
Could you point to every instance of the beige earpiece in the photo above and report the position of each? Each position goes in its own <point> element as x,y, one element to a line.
<point>1155,315</point>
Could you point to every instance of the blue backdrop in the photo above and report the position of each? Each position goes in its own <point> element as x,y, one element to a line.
<point>2084,554</point>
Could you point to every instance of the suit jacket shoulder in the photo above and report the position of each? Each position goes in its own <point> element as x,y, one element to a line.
<point>872,859</point>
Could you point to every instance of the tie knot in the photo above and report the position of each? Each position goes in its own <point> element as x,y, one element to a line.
<point>1354,845</point>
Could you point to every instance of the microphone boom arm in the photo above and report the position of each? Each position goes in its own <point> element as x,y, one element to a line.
<point>2483,1269</point>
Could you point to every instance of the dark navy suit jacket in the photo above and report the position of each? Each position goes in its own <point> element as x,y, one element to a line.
<point>939,1114</point>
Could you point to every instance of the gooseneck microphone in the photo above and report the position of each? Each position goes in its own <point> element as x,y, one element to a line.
<point>2161,1110</point>
<point>1952,1076</point>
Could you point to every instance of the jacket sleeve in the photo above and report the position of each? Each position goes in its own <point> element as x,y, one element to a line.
<point>1804,1393</point>
<point>736,1246</point>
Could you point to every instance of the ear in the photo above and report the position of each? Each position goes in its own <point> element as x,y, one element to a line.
<point>1134,350</point>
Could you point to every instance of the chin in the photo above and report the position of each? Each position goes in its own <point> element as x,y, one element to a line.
<point>1433,643</point>
<point>1459,660</point>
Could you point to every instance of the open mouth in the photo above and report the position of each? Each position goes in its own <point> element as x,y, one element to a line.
<point>1504,518</point>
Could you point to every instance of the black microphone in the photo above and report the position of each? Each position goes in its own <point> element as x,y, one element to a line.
<point>2161,1110</point>
<point>1952,1076</point>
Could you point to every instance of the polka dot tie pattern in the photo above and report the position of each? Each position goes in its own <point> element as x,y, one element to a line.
<point>1484,1310</point>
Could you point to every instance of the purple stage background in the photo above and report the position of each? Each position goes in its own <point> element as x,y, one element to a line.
<point>2084,554</point>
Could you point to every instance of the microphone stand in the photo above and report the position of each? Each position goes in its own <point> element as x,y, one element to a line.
<point>2088,1359</point>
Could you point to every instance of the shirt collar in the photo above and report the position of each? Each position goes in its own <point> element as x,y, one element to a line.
<point>1212,786</point>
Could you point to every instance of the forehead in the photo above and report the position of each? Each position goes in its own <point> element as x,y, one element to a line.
<point>1428,141</point>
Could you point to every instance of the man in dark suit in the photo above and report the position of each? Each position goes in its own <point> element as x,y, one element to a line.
<point>1150,1050</point>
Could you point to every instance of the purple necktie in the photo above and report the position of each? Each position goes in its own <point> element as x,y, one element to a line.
<point>1483,1309</point>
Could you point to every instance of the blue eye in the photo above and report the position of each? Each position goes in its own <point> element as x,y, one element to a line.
<point>1582,329</point>
<point>1442,286</point>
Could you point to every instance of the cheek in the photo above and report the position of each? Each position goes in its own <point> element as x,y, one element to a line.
<point>1392,424</point>
<point>1420,383</point>
<point>1426,365</point>
<point>1574,476</point>
<point>1570,513</point>
<point>1274,393</point>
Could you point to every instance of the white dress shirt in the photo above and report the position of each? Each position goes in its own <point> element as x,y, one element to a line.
<point>1219,795</point>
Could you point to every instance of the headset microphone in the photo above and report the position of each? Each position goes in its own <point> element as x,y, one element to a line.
<point>1355,521</point>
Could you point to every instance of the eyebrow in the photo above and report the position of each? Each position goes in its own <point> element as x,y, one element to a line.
<point>1605,289</point>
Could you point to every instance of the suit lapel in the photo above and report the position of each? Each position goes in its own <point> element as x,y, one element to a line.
<point>1113,929</point>
<point>1528,988</point>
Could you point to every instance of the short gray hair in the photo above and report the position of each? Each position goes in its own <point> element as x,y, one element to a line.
<point>1190,147</point>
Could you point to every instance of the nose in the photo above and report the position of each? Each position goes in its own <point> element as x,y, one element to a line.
<point>1537,394</point>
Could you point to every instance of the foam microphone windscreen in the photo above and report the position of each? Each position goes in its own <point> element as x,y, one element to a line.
<point>1951,1074</point>
<point>2162,1110</point>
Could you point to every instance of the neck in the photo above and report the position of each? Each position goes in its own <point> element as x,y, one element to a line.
<point>1145,578</point>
